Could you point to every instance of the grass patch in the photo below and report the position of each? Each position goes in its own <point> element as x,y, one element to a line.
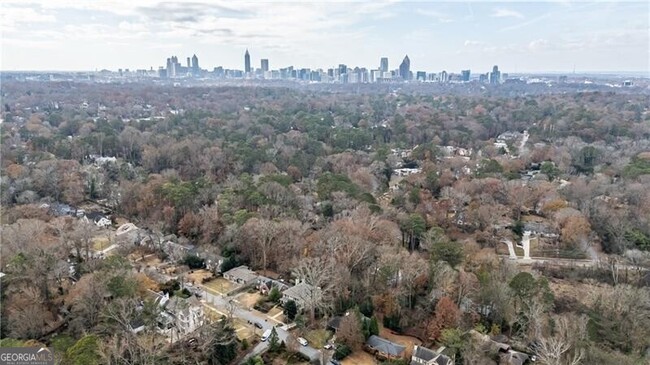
<point>317,338</point>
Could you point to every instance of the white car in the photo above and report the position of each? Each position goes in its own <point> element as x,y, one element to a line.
<point>266,335</point>
<point>302,341</point>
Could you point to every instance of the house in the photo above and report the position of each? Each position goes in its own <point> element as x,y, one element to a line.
<point>241,275</point>
<point>382,348</point>
<point>265,285</point>
<point>335,322</point>
<point>213,262</point>
<point>180,316</point>
<point>176,251</point>
<point>425,356</point>
<point>301,293</point>
<point>513,358</point>
<point>60,210</point>
<point>188,313</point>
<point>99,219</point>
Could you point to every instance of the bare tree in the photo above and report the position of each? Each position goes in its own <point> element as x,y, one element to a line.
<point>565,346</point>
<point>320,276</point>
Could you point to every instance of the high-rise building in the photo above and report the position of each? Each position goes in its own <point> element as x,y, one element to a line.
<point>173,67</point>
<point>421,76</point>
<point>383,65</point>
<point>188,62</point>
<point>343,69</point>
<point>465,75</point>
<point>405,68</point>
<point>495,75</point>
<point>443,76</point>
<point>247,62</point>
<point>195,62</point>
<point>265,64</point>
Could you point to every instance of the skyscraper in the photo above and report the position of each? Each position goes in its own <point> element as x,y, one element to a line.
<point>383,65</point>
<point>188,62</point>
<point>247,62</point>
<point>265,64</point>
<point>195,65</point>
<point>495,75</point>
<point>195,62</point>
<point>465,74</point>
<point>405,68</point>
<point>173,67</point>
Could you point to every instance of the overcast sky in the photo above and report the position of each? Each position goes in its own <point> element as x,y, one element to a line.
<point>517,36</point>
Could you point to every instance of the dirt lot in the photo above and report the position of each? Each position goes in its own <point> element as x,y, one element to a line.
<point>197,276</point>
<point>360,358</point>
<point>244,330</point>
<point>277,314</point>
<point>248,299</point>
<point>219,286</point>
<point>100,243</point>
<point>147,282</point>
<point>406,341</point>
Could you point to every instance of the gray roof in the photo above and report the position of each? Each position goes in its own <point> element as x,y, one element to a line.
<point>334,322</point>
<point>424,353</point>
<point>243,273</point>
<point>428,355</point>
<point>301,291</point>
<point>385,346</point>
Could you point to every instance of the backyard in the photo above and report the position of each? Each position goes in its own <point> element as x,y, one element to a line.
<point>248,300</point>
<point>197,276</point>
<point>219,286</point>
<point>359,358</point>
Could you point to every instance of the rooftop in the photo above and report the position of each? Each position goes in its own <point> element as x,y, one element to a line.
<point>385,346</point>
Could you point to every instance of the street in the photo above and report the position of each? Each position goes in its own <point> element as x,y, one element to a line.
<point>221,303</point>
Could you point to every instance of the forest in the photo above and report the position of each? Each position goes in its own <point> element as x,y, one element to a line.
<point>399,207</point>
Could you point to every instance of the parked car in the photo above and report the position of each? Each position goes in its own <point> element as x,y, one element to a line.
<point>265,335</point>
<point>328,346</point>
<point>258,325</point>
<point>335,362</point>
<point>302,341</point>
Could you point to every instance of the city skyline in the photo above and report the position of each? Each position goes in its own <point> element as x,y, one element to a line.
<point>452,36</point>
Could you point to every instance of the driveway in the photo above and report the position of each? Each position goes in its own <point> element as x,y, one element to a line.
<point>222,303</point>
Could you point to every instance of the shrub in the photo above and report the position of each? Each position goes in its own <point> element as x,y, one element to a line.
<point>341,352</point>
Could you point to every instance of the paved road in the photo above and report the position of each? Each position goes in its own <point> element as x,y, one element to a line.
<point>571,262</point>
<point>222,303</point>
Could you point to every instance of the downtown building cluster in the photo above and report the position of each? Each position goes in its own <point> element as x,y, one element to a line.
<point>340,74</point>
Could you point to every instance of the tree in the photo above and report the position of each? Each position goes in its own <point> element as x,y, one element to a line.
<point>263,234</point>
<point>290,310</point>
<point>446,316</point>
<point>194,261</point>
<point>320,276</point>
<point>350,332</point>
<point>274,341</point>
<point>84,352</point>
<point>452,338</point>
<point>373,327</point>
<point>566,346</point>
<point>275,295</point>
<point>450,252</point>
<point>221,345</point>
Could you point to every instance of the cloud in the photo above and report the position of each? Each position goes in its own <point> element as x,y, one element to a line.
<point>441,17</point>
<point>507,13</point>
<point>538,45</point>
<point>469,43</point>
<point>13,18</point>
